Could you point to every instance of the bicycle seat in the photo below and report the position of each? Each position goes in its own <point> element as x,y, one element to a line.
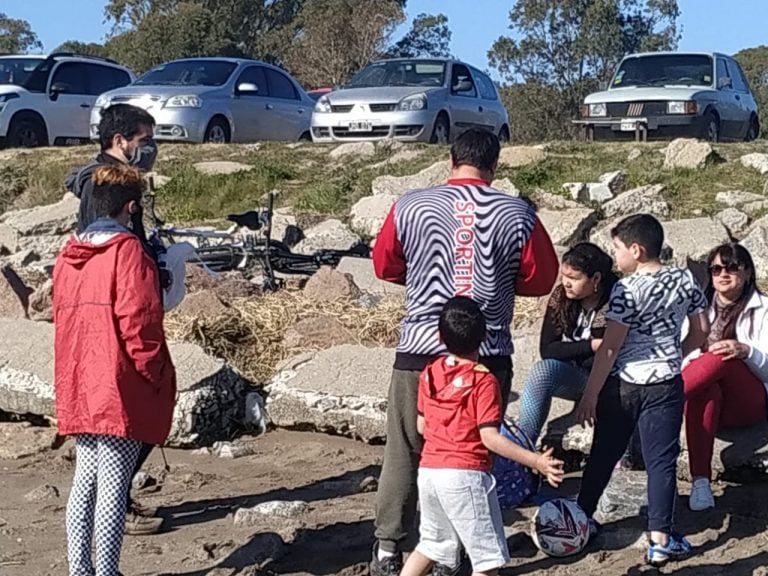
<point>253,220</point>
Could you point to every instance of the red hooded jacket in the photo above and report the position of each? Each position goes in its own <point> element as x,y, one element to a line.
<point>113,370</point>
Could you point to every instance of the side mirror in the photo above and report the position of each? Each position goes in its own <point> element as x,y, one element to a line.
<point>247,88</point>
<point>724,82</point>
<point>58,88</point>
<point>462,86</point>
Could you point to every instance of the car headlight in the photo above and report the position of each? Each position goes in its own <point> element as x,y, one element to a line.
<point>598,110</point>
<point>323,105</point>
<point>102,102</point>
<point>7,97</point>
<point>682,107</point>
<point>184,102</point>
<point>415,102</point>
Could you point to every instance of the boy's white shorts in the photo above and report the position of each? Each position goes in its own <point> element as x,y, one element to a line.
<point>460,508</point>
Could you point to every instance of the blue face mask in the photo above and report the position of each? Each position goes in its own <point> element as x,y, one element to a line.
<point>144,156</point>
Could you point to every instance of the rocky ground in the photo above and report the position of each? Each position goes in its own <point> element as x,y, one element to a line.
<point>316,358</point>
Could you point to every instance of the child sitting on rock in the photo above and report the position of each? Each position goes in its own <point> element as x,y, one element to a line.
<point>459,414</point>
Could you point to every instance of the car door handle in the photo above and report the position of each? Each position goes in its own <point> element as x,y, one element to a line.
<point>85,105</point>
<point>479,108</point>
<point>738,97</point>
<point>269,107</point>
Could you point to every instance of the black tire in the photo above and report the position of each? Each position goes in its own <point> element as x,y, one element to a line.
<point>441,132</point>
<point>217,132</point>
<point>753,132</point>
<point>27,132</point>
<point>504,135</point>
<point>710,128</point>
<point>305,137</point>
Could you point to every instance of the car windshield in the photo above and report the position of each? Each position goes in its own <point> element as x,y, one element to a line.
<point>16,70</point>
<point>189,73</point>
<point>400,73</point>
<point>665,70</point>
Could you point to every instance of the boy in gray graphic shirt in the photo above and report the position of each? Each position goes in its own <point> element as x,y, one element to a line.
<point>635,380</point>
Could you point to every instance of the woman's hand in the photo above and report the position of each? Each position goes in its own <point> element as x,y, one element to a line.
<point>595,343</point>
<point>549,467</point>
<point>586,412</point>
<point>730,349</point>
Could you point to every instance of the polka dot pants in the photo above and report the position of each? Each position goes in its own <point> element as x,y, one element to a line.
<point>96,506</point>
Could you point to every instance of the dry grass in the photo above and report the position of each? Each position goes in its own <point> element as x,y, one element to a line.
<point>250,335</point>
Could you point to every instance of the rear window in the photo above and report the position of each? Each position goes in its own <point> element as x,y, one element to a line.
<point>17,70</point>
<point>665,70</point>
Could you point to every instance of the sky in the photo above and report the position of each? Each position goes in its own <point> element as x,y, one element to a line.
<point>716,25</point>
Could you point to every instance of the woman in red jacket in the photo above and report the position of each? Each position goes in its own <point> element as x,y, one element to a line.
<point>115,381</point>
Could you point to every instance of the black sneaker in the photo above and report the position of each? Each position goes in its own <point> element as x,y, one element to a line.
<point>390,566</point>
<point>463,569</point>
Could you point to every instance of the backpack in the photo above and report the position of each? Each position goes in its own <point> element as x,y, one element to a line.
<point>515,483</point>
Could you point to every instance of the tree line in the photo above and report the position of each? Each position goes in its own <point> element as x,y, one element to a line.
<point>557,51</point>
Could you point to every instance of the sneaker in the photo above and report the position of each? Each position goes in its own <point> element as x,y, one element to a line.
<point>136,525</point>
<point>140,510</point>
<point>389,566</point>
<point>701,495</point>
<point>677,547</point>
<point>594,528</point>
<point>464,568</point>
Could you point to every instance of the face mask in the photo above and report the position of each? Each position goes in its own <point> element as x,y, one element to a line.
<point>144,157</point>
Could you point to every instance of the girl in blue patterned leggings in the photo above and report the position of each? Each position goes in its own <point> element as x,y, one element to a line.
<point>573,327</point>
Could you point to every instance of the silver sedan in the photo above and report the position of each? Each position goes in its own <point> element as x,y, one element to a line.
<point>417,100</point>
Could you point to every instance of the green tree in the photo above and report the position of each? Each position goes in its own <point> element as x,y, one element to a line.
<point>87,48</point>
<point>429,36</point>
<point>754,61</point>
<point>571,45</point>
<point>331,41</point>
<point>17,37</point>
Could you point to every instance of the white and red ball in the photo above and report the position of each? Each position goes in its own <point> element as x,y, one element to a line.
<point>560,528</point>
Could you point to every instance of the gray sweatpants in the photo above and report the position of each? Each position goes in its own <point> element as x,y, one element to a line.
<point>398,490</point>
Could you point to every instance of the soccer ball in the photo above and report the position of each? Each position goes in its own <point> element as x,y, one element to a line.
<point>560,528</point>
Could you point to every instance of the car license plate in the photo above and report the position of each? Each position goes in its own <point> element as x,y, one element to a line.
<point>361,126</point>
<point>631,125</point>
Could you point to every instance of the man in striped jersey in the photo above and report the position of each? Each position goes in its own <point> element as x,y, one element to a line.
<point>463,238</point>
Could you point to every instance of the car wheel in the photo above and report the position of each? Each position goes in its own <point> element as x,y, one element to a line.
<point>217,132</point>
<point>753,132</point>
<point>711,128</point>
<point>504,135</point>
<point>27,133</point>
<point>441,133</point>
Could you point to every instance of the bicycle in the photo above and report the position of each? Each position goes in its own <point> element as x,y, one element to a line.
<point>254,252</point>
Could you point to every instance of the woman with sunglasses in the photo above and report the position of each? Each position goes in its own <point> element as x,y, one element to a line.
<point>727,381</point>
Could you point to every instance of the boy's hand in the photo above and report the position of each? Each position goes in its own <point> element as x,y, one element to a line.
<point>586,413</point>
<point>549,467</point>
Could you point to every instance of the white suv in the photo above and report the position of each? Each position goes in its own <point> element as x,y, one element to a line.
<point>51,104</point>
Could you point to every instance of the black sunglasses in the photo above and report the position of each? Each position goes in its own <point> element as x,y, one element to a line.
<point>717,269</point>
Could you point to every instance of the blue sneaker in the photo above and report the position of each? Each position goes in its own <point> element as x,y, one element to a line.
<point>677,547</point>
<point>594,528</point>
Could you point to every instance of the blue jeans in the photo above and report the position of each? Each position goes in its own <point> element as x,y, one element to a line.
<point>548,378</point>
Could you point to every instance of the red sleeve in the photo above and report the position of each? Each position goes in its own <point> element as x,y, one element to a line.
<point>388,256</point>
<point>539,265</point>
<point>420,395</point>
<point>139,311</point>
<point>488,401</point>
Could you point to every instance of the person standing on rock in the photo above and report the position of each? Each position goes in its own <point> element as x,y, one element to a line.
<point>126,139</point>
<point>461,239</point>
<point>115,382</point>
<point>727,381</point>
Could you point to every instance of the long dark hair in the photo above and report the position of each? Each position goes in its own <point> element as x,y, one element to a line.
<point>589,259</point>
<point>732,253</point>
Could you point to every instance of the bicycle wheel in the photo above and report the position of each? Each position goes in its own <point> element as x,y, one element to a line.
<point>220,258</point>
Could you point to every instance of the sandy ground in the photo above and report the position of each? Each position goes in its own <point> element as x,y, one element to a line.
<point>333,535</point>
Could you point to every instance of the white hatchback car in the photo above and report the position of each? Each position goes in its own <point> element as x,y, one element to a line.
<point>47,100</point>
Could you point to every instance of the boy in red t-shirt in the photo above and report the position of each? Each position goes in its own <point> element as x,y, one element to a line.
<point>459,407</point>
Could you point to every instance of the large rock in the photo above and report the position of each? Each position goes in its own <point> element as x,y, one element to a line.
<point>693,238</point>
<point>434,175</point>
<point>342,390</point>
<point>22,439</point>
<point>646,199</point>
<point>41,302</point>
<point>757,244</point>
<point>689,154</point>
<point>567,227</point>
<point>351,149</point>
<point>211,397</point>
<point>757,161</point>
<point>329,285</point>
<point>614,180</point>
<point>331,235</point>
<point>14,295</point>
<point>747,202</point>
<point>204,306</point>
<point>369,213</point>
<point>734,220</point>
<point>361,270</point>
<point>221,167</point>
<point>597,192</point>
<point>43,229</point>
<point>549,201</point>
<point>519,156</point>
<point>507,186</point>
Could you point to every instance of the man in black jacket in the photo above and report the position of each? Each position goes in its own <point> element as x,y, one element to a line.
<point>125,136</point>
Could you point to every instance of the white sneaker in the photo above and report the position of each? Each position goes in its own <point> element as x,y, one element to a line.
<point>701,495</point>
